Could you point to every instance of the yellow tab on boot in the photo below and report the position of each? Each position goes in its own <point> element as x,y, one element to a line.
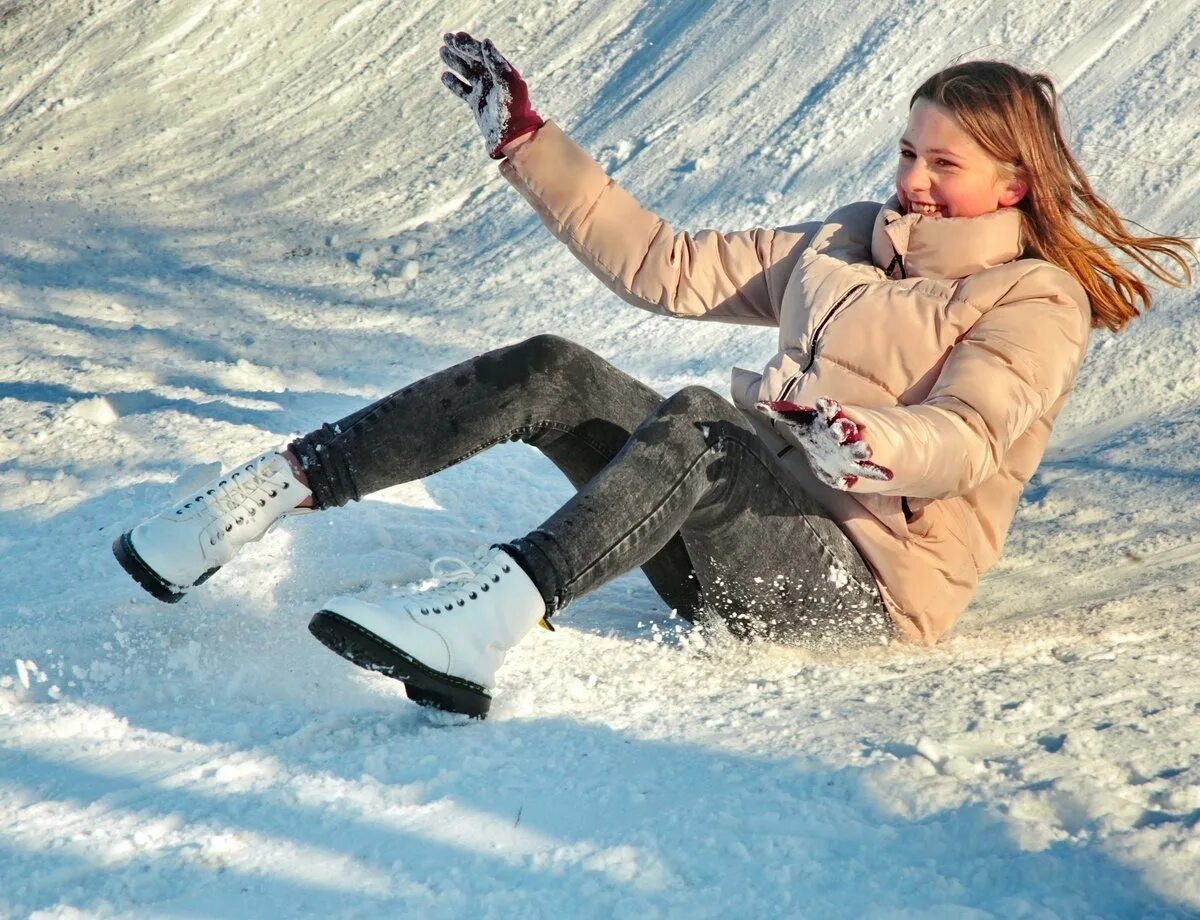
<point>545,624</point>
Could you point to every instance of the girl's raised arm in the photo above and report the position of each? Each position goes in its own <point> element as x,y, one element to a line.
<point>734,277</point>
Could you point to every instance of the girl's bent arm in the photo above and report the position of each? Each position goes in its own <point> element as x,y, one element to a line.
<point>1008,373</point>
<point>733,277</point>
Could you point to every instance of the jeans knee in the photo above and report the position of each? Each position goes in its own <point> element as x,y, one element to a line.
<point>542,355</point>
<point>704,410</point>
<point>546,352</point>
<point>696,402</point>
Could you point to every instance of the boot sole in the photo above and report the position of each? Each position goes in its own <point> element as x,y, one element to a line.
<point>423,685</point>
<point>145,576</point>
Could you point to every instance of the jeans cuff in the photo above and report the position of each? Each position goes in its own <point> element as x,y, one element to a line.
<point>541,570</point>
<point>314,456</point>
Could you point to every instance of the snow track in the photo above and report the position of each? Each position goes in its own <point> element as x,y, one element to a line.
<point>226,222</point>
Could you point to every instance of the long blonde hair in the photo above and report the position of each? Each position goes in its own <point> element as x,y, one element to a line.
<point>1013,115</point>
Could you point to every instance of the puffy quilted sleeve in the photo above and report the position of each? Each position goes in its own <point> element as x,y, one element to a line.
<point>734,277</point>
<point>1010,368</point>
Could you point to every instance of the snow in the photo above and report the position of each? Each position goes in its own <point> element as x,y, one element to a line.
<point>226,223</point>
<point>97,410</point>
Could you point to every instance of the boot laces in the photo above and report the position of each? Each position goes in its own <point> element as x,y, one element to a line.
<point>239,491</point>
<point>458,581</point>
<point>455,569</point>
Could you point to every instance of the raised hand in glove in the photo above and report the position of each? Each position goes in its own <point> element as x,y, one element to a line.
<point>832,441</point>
<point>482,77</point>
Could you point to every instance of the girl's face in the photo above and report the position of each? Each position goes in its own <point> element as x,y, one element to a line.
<point>943,172</point>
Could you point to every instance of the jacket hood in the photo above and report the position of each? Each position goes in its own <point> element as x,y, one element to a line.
<point>916,246</point>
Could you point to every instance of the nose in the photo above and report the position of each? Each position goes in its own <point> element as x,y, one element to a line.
<point>915,178</point>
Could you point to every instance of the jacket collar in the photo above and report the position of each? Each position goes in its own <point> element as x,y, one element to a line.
<point>916,246</point>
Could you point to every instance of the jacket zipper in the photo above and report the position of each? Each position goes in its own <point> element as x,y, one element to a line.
<point>820,327</point>
<point>812,352</point>
<point>784,394</point>
<point>789,386</point>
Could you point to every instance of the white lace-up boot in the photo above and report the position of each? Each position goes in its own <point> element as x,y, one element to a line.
<point>184,545</point>
<point>446,643</point>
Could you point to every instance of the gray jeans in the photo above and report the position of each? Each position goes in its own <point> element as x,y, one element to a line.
<point>681,487</point>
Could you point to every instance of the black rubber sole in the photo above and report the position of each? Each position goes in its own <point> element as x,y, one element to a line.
<point>423,685</point>
<point>145,576</point>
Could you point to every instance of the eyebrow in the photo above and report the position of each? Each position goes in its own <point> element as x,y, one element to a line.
<point>942,150</point>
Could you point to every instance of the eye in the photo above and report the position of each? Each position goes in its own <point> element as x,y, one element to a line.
<point>947,163</point>
<point>906,154</point>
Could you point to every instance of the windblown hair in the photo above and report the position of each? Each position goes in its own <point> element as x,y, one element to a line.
<point>1013,115</point>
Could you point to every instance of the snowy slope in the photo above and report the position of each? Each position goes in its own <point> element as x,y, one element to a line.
<point>223,222</point>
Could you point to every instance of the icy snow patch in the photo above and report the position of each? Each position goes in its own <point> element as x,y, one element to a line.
<point>96,409</point>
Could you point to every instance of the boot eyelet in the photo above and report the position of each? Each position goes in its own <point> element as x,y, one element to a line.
<point>495,578</point>
<point>180,511</point>
<point>461,602</point>
<point>222,482</point>
<point>272,493</point>
<point>198,498</point>
<point>425,610</point>
<point>212,541</point>
<point>228,527</point>
<point>473,595</point>
<point>262,503</point>
<point>285,485</point>
<point>505,569</point>
<point>239,520</point>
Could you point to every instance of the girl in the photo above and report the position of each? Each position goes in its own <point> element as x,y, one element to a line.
<point>857,488</point>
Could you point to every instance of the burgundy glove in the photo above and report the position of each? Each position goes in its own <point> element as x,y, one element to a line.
<point>482,77</point>
<point>833,442</point>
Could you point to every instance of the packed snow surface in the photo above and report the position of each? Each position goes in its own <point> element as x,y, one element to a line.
<point>223,223</point>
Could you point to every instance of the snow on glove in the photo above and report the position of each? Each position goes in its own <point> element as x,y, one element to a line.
<point>482,77</point>
<point>833,442</point>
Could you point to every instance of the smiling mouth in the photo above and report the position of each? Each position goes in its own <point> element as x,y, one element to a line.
<point>929,210</point>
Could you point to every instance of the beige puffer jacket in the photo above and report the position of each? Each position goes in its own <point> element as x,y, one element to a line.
<point>952,353</point>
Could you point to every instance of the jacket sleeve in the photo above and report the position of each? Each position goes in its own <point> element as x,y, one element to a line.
<point>734,277</point>
<point>1010,368</point>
